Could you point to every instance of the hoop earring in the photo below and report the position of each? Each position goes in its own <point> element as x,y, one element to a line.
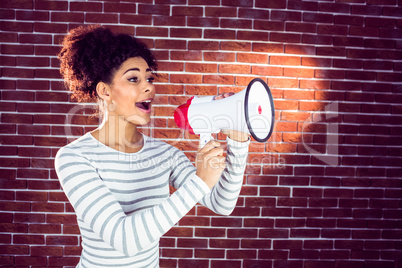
<point>111,107</point>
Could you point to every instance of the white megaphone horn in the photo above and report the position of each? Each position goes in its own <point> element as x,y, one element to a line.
<point>251,111</point>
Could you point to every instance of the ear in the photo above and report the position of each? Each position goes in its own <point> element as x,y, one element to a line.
<point>102,89</point>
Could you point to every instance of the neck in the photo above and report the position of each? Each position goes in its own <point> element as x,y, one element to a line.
<point>119,134</point>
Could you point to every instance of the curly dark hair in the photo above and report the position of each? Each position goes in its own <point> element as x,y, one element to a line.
<point>92,54</point>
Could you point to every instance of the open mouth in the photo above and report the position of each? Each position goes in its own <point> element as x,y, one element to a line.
<point>144,106</point>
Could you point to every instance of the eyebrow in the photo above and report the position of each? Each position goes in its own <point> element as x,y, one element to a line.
<point>137,69</point>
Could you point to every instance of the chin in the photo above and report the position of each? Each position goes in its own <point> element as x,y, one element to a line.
<point>138,119</point>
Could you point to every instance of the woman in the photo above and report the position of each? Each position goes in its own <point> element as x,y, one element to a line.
<point>116,178</point>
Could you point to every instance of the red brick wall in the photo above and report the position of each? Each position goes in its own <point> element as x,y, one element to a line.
<point>324,191</point>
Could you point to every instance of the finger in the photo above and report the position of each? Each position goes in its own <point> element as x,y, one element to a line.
<point>228,94</point>
<point>217,162</point>
<point>225,131</point>
<point>219,97</point>
<point>215,152</point>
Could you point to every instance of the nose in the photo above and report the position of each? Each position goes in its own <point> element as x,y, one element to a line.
<point>149,87</point>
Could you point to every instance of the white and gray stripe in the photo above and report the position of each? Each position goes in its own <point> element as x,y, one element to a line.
<point>122,200</point>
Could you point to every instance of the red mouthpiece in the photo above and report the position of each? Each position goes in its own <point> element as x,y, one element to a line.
<point>181,116</point>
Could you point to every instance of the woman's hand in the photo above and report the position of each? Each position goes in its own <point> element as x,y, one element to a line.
<point>236,135</point>
<point>232,134</point>
<point>223,95</point>
<point>210,163</point>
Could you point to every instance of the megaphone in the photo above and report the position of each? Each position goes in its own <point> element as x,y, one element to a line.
<point>251,111</point>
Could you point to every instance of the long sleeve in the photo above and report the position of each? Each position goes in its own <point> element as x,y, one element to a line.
<point>96,206</point>
<point>223,197</point>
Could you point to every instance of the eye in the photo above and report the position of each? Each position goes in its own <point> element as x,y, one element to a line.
<point>133,79</point>
<point>151,79</point>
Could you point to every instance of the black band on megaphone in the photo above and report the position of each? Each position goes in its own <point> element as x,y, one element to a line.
<point>271,100</point>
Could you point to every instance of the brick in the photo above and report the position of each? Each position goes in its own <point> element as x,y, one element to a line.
<point>43,27</point>
<point>318,244</point>
<point>186,55</point>
<point>241,211</point>
<point>259,201</point>
<point>253,13</point>
<point>219,56</point>
<point>152,31</point>
<point>238,3</point>
<point>16,26</point>
<point>169,20</point>
<point>101,18</point>
<point>17,49</point>
<point>186,33</point>
<point>43,185</point>
<point>202,22</point>
<point>192,243</point>
<point>218,79</point>
<point>316,39</point>
<point>61,240</point>
<point>277,15</point>
<point>32,15</point>
<point>65,261</point>
<point>167,262</point>
<point>203,45</point>
<point>209,253</point>
<point>334,254</point>
<point>241,254</point>
<point>17,250</point>
<point>196,221</point>
<point>182,253</point>
<point>170,44</point>
<point>46,251</point>
<point>330,74</point>
<point>252,36</point>
<point>390,33</point>
<point>7,14</point>
<point>210,232</point>
<point>304,254</point>
<point>187,11</point>
<point>135,19</point>
<point>45,228</point>
<point>23,4</point>
<point>301,27</point>
<point>28,260</point>
<point>16,118</point>
<point>236,23</point>
<point>273,254</point>
<point>252,58</point>
<point>310,6</point>
<point>201,68</point>
<point>258,222</point>
<point>220,12</point>
<point>287,244</point>
<point>235,46</point>
<point>186,79</point>
<point>120,8</point>
<point>285,37</point>
<point>234,68</point>
<point>271,4</point>
<point>89,7</point>
<point>284,60</point>
<point>367,10</point>
<point>51,5</point>
<point>317,17</point>
<point>219,34</point>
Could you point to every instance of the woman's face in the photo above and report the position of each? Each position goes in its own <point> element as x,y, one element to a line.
<point>132,92</point>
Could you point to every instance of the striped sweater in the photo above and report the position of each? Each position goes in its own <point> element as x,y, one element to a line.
<point>122,200</point>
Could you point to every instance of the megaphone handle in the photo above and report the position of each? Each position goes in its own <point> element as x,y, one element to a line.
<point>205,138</point>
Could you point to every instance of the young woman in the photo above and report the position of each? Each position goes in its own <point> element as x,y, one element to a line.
<point>116,178</point>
